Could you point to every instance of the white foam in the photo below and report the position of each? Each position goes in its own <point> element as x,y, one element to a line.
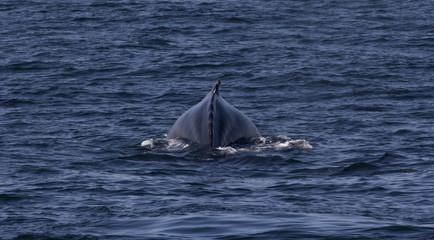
<point>227,150</point>
<point>148,143</point>
<point>274,143</point>
<point>281,142</point>
<point>176,144</point>
<point>164,144</point>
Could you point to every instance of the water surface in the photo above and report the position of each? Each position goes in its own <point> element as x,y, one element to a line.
<point>342,93</point>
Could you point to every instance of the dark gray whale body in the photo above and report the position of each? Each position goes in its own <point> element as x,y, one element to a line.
<point>214,122</point>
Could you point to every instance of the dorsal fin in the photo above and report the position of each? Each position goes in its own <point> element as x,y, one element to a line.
<point>211,112</point>
<point>216,87</point>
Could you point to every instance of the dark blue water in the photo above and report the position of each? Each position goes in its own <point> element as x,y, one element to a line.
<point>342,92</point>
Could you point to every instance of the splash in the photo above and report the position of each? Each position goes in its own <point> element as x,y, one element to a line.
<point>269,143</point>
<point>165,144</point>
<point>282,142</point>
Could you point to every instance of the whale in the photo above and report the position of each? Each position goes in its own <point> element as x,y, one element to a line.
<point>213,122</point>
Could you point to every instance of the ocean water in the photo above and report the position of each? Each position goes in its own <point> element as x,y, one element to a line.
<point>341,91</point>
